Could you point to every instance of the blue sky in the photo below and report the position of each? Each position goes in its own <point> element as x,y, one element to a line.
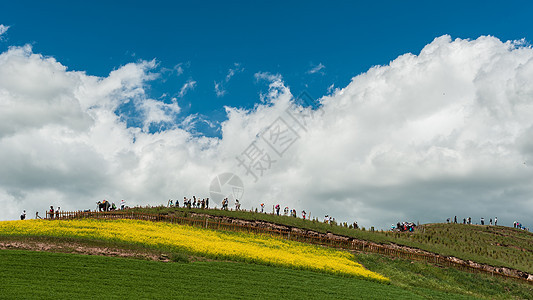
<point>151,100</point>
<point>208,38</point>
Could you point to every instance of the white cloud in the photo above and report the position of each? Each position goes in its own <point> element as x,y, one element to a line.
<point>276,86</point>
<point>156,112</point>
<point>429,136</point>
<point>220,89</point>
<point>189,85</point>
<point>316,69</point>
<point>331,88</point>
<point>237,68</point>
<point>178,69</point>
<point>3,29</point>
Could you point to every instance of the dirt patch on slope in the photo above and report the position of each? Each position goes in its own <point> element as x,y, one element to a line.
<point>79,248</point>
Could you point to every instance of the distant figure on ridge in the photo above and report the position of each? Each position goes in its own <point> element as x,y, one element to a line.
<point>23,215</point>
<point>51,212</point>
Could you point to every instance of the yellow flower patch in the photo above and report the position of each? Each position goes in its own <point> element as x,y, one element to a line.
<point>248,247</point>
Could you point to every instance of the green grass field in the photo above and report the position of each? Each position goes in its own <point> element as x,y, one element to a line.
<point>494,245</point>
<point>44,275</point>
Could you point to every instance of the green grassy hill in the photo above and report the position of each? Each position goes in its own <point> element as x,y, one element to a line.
<point>494,245</point>
<point>59,274</point>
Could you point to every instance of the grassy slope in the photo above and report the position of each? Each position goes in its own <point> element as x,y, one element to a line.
<point>499,246</point>
<point>413,276</point>
<point>28,274</point>
<point>494,245</point>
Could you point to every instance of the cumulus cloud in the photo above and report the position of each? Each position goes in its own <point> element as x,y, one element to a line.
<point>276,86</point>
<point>441,133</point>
<point>189,85</point>
<point>156,112</point>
<point>317,69</point>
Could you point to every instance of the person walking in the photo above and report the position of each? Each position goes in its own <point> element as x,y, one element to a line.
<point>496,221</point>
<point>122,204</point>
<point>23,215</point>
<point>482,221</point>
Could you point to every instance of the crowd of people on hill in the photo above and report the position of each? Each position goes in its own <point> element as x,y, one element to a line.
<point>52,212</point>
<point>403,226</point>
<point>468,221</point>
<point>290,212</point>
<point>106,205</point>
<point>519,225</point>
<point>190,203</point>
<point>204,204</point>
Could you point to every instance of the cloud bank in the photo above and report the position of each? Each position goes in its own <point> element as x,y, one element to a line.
<point>429,136</point>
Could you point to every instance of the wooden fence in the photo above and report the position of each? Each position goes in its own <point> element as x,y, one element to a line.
<point>344,243</point>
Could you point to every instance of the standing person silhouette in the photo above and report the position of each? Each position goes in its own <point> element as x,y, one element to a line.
<point>51,212</point>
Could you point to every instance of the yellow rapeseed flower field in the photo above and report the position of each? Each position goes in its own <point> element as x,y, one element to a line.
<point>211,243</point>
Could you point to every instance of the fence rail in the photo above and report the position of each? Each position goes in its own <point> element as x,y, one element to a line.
<point>345,243</point>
